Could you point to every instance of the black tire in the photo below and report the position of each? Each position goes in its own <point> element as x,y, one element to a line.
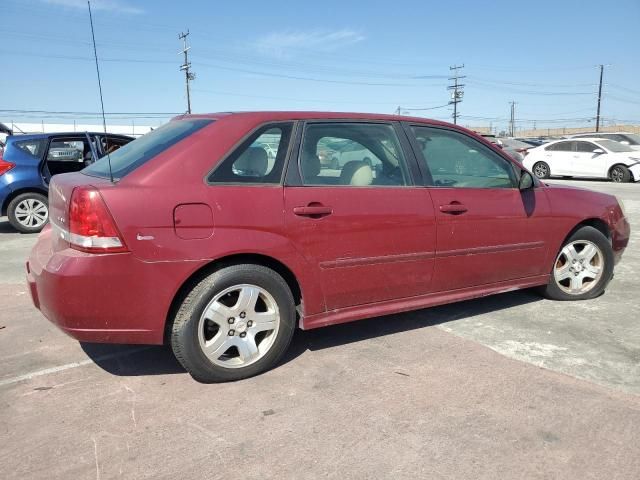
<point>14,215</point>
<point>184,332</point>
<point>541,170</point>
<point>620,174</point>
<point>553,289</point>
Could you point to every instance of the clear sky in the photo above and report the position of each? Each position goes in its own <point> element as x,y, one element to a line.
<point>370,56</point>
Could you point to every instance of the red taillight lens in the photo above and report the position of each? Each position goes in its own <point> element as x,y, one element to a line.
<point>5,166</point>
<point>91,226</point>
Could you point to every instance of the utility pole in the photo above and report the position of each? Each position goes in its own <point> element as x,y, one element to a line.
<point>398,110</point>
<point>512,121</point>
<point>458,93</point>
<point>186,66</point>
<point>599,99</point>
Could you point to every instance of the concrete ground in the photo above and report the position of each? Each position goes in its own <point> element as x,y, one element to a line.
<point>510,386</point>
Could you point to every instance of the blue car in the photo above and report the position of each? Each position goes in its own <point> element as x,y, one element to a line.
<point>28,162</point>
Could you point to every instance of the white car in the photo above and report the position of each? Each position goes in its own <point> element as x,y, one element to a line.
<point>585,157</point>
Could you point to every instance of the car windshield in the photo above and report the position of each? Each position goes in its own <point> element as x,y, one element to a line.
<point>134,154</point>
<point>615,147</point>
<point>634,138</point>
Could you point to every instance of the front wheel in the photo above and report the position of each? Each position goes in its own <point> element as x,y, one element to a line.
<point>235,323</point>
<point>28,212</point>
<point>541,170</point>
<point>620,174</point>
<point>583,268</point>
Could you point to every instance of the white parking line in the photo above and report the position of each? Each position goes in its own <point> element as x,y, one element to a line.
<point>61,368</point>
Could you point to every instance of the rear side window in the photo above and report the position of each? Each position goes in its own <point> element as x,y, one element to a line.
<point>259,159</point>
<point>585,147</point>
<point>134,154</point>
<point>35,147</point>
<point>560,147</point>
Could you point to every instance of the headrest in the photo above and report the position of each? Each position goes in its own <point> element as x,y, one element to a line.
<point>310,165</point>
<point>356,173</point>
<point>253,163</point>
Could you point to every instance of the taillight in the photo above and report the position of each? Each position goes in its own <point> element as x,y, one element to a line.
<point>91,226</point>
<point>5,166</point>
<point>523,151</point>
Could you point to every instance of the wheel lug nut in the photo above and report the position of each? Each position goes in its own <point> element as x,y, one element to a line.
<point>232,333</point>
<point>243,334</point>
<point>243,314</point>
<point>231,320</point>
<point>249,323</point>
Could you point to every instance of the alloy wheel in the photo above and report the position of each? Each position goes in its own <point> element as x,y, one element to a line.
<point>617,175</point>
<point>540,170</point>
<point>579,267</point>
<point>31,213</point>
<point>239,326</point>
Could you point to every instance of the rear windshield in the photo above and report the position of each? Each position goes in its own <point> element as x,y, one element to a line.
<point>129,157</point>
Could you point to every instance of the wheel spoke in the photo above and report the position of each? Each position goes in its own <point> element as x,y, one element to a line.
<point>570,252</point>
<point>563,272</point>
<point>247,348</point>
<point>264,321</point>
<point>218,345</point>
<point>40,208</point>
<point>247,299</point>
<point>591,271</point>
<point>219,313</point>
<point>588,252</point>
<point>576,282</point>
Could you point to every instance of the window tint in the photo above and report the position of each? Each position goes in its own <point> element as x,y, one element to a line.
<point>35,148</point>
<point>585,147</point>
<point>615,147</point>
<point>456,160</point>
<point>134,154</point>
<point>352,154</point>
<point>560,147</point>
<point>260,159</point>
<point>111,144</point>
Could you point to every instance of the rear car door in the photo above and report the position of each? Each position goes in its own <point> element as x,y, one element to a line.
<point>488,231</point>
<point>559,158</point>
<point>366,227</point>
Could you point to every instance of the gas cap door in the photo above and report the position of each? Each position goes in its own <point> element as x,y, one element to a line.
<point>193,221</point>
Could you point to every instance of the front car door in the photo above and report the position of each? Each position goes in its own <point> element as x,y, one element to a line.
<point>366,227</point>
<point>488,231</point>
<point>588,163</point>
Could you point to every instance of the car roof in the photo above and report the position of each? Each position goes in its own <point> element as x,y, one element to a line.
<point>311,115</point>
<point>602,133</point>
<point>31,136</point>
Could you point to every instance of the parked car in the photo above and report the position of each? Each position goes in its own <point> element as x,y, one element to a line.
<point>223,260</point>
<point>515,148</point>
<point>586,157</point>
<point>533,142</point>
<point>29,161</point>
<point>630,139</point>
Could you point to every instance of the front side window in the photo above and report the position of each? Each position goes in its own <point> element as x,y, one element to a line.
<point>615,147</point>
<point>456,160</point>
<point>586,147</point>
<point>259,159</point>
<point>352,154</point>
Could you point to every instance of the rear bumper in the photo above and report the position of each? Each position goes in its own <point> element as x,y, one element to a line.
<point>112,298</point>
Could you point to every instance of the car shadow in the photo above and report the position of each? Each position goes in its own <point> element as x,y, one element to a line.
<point>128,360</point>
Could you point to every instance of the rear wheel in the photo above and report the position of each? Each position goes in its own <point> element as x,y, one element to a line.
<point>620,174</point>
<point>583,268</point>
<point>541,170</point>
<point>28,212</point>
<point>234,324</point>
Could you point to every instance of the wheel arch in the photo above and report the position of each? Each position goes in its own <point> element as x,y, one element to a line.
<point>241,258</point>
<point>596,223</point>
<point>20,191</point>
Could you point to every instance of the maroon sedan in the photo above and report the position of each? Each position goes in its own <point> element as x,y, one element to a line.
<point>220,234</point>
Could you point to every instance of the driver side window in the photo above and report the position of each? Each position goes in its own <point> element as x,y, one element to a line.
<point>455,160</point>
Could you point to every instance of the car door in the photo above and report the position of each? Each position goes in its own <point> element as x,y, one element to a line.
<point>488,231</point>
<point>587,162</point>
<point>559,157</point>
<point>366,227</point>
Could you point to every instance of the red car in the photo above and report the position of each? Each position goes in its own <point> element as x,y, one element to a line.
<point>198,238</point>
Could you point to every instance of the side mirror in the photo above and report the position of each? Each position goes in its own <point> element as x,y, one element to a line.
<point>598,151</point>
<point>526,181</point>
